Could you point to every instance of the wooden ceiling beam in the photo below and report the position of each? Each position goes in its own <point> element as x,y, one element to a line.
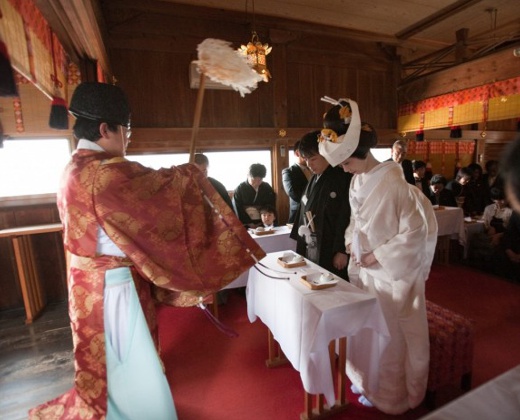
<point>435,18</point>
<point>79,26</point>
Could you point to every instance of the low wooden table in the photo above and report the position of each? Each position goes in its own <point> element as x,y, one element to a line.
<point>30,283</point>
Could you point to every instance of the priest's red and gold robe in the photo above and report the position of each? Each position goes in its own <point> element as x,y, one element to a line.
<point>182,243</point>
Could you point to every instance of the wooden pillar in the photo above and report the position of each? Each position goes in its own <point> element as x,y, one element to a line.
<point>461,48</point>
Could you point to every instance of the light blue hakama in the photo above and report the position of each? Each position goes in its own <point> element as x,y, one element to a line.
<point>137,385</point>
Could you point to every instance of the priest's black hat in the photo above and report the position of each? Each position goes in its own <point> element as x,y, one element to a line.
<point>100,102</point>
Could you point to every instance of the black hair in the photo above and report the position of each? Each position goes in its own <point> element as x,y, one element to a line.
<point>367,137</point>
<point>418,164</point>
<point>367,140</point>
<point>490,163</point>
<point>438,179</point>
<point>497,194</point>
<point>333,120</point>
<point>268,209</point>
<point>200,159</point>
<point>309,144</point>
<point>509,167</point>
<point>257,170</point>
<point>475,167</point>
<point>463,172</point>
<point>89,129</point>
<point>296,146</point>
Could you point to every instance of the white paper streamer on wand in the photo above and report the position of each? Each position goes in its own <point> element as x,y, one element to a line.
<point>223,64</point>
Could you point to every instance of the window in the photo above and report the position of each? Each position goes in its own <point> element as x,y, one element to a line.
<point>32,167</point>
<point>230,168</point>
<point>382,153</point>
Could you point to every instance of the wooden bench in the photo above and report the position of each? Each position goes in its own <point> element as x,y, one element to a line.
<point>451,350</point>
<point>30,283</point>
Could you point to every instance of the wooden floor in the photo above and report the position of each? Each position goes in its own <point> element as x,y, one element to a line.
<point>36,361</point>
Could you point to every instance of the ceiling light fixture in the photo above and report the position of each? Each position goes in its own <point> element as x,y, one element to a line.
<point>256,52</point>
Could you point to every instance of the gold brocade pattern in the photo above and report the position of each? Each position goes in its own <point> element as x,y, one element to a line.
<point>84,302</point>
<point>80,226</point>
<point>93,385</point>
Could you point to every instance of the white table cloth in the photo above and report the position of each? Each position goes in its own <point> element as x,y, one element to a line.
<point>277,241</point>
<point>304,321</point>
<point>497,399</point>
<point>450,221</point>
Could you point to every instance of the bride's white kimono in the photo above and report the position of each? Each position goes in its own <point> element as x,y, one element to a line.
<point>396,222</point>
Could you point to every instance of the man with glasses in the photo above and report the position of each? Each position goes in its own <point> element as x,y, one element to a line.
<point>136,236</point>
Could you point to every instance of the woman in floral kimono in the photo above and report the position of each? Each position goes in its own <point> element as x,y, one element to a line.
<point>391,238</point>
<point>135,235</point>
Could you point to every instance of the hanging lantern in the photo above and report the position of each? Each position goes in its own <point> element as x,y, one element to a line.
<point>255,52</point>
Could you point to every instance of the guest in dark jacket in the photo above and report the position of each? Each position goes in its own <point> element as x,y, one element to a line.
<point>419,172</point>
<point>464,194</point>
<point>295,179</point>
<point>491,179</point>
<point>438,193</point>
<point>253,194</point>
<point>201,161</point>
<point>478,188</point>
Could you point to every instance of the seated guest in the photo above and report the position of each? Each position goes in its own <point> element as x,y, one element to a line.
<point>268,216</point>
<point>496,216</point>
<point>461,189</point>
<point>253,194</point>
<point>419,171</point>
<point>201,161</point>
<point>496,219</point>
<point>438,194</point>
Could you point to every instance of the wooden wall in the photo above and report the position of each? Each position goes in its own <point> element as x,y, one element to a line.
<point>151,52</point>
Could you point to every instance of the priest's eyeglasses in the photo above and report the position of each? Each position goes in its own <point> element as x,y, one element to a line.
<point>127,131</point>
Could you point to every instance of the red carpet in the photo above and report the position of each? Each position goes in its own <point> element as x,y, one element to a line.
<point>215,377</point>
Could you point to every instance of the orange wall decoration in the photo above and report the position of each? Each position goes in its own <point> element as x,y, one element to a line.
<point>491,102</point>
<point>444,156</point>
